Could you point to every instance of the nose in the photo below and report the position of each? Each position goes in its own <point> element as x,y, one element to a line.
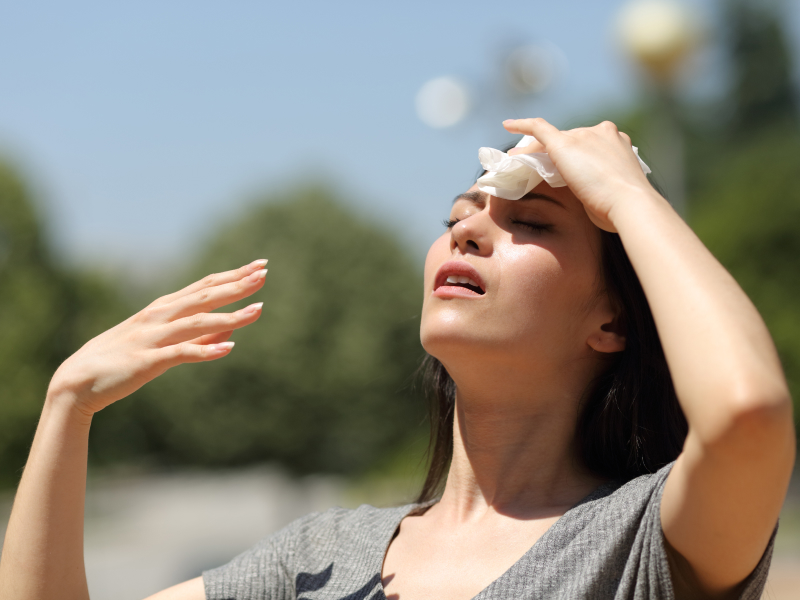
<point>472,235</point>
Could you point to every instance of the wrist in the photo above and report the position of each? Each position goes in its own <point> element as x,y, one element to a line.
<point>635,203</point>
<point>65,398</point>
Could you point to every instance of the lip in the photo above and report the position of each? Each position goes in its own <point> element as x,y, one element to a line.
<point>459,268</point>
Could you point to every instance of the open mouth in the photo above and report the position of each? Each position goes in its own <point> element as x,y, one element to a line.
<point>464,282</point>
<point>458,278</point>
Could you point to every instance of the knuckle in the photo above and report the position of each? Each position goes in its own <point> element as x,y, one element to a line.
<point>608,125</point>
<point>209,279</point>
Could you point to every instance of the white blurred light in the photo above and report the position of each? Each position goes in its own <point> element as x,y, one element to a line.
<point>660,33</point>
<point>442,102</point>
<point>533,68</point>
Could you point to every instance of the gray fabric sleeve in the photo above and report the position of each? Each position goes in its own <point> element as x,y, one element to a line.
<point>654,561</point>
<point>253,575</point>
<point>753,586</point>
<point>259,573</point>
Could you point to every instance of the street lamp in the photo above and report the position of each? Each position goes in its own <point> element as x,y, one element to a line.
<point>660,35</point>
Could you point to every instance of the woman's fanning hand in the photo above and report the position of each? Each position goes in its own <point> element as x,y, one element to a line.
<point>596,163</point>
<point>175,329</point>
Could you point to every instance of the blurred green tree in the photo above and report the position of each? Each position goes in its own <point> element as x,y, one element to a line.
<point>744,193</point>
<point>29,323</point>
<point>323,381</point>
<point>745,202</point>
<point>763,90</point>
<point>45,314</point>
<point>748,214</point>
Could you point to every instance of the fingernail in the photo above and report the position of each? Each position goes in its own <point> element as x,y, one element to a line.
<point>260,274</point>
<point>509,121</point>
<point>223,346</point>
<point>248,310</point>
<point>258,263</point>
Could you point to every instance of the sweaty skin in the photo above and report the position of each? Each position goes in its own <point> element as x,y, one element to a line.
<point>518,381</point>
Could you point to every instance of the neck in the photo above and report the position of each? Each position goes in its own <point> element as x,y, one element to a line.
<point>514,444</point>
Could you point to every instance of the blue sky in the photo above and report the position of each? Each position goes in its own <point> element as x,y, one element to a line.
<point>142,124</point>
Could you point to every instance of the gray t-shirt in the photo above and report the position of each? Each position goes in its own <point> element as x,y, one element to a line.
<point>610,545</point>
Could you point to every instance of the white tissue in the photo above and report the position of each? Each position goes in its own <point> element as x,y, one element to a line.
<point>511,177</point>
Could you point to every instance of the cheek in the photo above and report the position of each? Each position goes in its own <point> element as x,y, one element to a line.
<point>531,276</point>
<point>542,293</point>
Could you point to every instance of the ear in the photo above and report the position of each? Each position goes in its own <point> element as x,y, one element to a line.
<point>608,338</point>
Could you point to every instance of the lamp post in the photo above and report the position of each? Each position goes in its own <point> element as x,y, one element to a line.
<point>660,35</point>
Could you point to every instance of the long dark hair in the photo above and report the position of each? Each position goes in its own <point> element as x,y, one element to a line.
<point>630,421</point>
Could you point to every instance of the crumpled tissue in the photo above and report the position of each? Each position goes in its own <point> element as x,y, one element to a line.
<point>511,177</point>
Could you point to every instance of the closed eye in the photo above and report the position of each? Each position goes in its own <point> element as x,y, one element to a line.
<point>533,226</point>
<point>450,222</point>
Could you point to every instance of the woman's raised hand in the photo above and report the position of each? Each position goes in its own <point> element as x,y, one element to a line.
<point>597,163</point>
<point>175,329</point>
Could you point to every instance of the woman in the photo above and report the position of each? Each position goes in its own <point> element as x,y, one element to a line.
<point>520,312</point>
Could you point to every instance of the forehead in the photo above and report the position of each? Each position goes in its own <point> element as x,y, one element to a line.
<point>561,196</point>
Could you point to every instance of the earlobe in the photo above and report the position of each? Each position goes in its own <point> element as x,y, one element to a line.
<point>608,339</point>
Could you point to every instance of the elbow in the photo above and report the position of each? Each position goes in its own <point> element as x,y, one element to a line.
<point>758,421</point>
<point>762,408</point>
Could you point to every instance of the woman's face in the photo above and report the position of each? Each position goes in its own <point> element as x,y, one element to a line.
<point>514,280</point>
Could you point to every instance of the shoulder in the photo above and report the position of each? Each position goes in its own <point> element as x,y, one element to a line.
<point>339,525</point>
<point>618,516</point>
<point>639,492</point>
<point>610,545</point>
<point>338,548</point>
<point>338,535</point>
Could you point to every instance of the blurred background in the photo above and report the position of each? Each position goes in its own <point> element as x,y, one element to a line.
<point>145,145</point>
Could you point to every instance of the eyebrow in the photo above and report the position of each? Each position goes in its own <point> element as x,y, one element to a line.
<point>475,197</point>
<point>478,197</point>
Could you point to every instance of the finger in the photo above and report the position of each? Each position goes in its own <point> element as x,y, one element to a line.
<point>532,148</point>
<point>214,280</point>
<point>208,299</point>
<point>213,338</point>
<point>202,324</point>
<point>190,353</point>
<point>538,128</point>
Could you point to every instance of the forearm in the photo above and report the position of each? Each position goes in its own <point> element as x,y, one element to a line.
<point>722,359</point>
<point>43,549</point>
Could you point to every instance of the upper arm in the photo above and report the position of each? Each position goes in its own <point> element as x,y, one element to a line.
<point>722,498</point>
<point>188,590</point>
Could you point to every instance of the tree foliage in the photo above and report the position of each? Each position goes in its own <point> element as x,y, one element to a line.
<point>763,91</point>
<point>748,214</point>
<point>45,312</point>
<point>322,382</point>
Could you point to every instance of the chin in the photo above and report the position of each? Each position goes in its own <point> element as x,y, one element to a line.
<point>448,341</point>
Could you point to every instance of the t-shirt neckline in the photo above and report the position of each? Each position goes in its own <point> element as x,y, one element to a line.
<point>600,491</point>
